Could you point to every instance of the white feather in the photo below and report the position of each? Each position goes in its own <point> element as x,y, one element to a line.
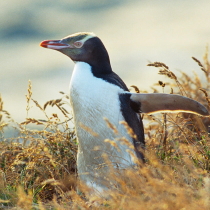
<point>92,99</point>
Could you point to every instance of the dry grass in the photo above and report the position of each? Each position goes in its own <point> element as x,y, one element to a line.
<point>38,170</point>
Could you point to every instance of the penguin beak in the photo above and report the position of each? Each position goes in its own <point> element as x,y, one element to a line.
<point>54,44</point>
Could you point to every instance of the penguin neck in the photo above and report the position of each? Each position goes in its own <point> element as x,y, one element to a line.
<point>98,57</point>
<point>101,68</point>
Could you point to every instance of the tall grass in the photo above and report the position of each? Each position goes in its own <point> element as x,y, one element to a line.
<point>38,171</point>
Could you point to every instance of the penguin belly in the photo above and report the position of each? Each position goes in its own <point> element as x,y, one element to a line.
<point>92,100</point>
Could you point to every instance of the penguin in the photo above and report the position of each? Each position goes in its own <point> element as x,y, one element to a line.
<point>100,100</point>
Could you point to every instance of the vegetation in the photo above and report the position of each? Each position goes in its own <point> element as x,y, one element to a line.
<point>37,168</point>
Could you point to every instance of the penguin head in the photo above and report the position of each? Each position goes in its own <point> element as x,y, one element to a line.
<point>83,46</point>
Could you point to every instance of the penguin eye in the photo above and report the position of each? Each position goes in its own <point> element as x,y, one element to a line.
<point>78,44</point>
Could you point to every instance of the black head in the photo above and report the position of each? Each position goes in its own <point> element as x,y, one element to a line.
<point>84,47</point>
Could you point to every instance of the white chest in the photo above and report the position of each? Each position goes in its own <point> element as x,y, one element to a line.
<point>92,99</point>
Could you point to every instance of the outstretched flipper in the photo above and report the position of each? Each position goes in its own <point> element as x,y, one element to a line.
<point>160,102</point>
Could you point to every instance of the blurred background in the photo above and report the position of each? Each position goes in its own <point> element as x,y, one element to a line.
<point>134,33</point>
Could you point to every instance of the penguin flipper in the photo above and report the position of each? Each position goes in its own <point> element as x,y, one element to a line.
<point>160,102</point>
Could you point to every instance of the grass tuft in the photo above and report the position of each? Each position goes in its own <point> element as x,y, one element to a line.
<point>38,167</point>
